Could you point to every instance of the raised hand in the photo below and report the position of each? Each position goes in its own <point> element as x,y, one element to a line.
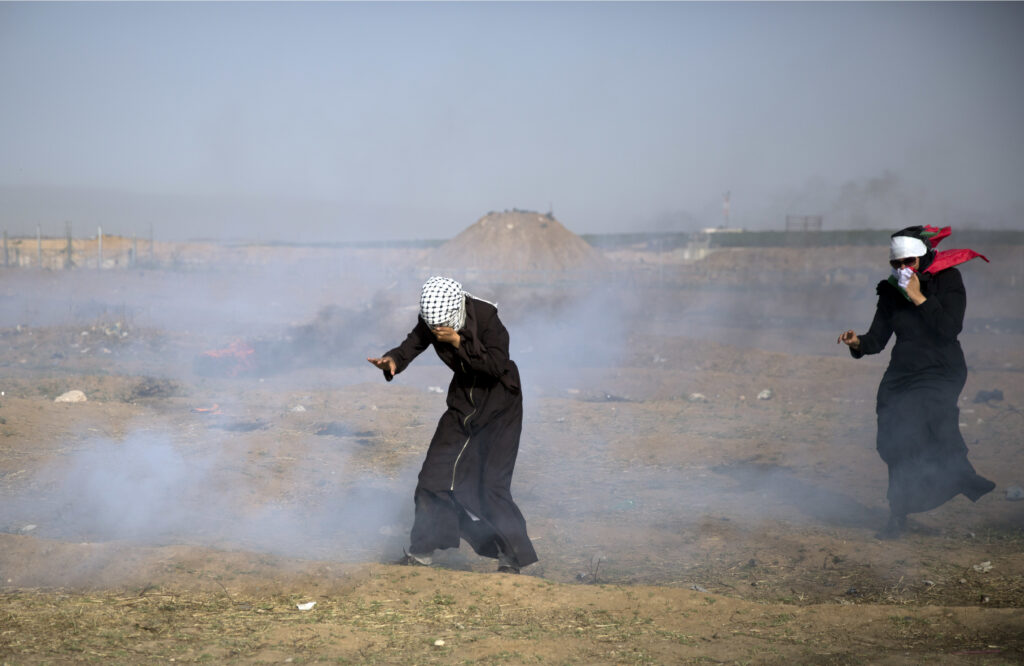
<point>387,364</point>
<point>914,290</point>
<point>850,339</point>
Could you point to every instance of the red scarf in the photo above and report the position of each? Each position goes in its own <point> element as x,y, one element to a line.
<point>946,258</point>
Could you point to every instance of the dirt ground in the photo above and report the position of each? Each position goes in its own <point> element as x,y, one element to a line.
<point>697,471</point>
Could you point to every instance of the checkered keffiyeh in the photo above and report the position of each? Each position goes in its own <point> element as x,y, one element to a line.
<point>443,303</point>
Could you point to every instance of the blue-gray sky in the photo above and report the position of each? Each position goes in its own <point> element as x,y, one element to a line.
<point>333,121</point>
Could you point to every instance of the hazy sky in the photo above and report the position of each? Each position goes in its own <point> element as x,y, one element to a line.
<point>378,120</point>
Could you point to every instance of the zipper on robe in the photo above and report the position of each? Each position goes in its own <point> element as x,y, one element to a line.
<point>465,422</point>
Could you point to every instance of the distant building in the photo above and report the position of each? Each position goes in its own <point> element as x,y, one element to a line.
<point>803,222</point>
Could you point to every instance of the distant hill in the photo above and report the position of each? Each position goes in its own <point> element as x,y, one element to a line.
<point>516,241</point>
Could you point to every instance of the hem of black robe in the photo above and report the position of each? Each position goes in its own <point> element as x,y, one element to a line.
<point>432,532</point>
<point>971,485</point>
<point>488,541</point>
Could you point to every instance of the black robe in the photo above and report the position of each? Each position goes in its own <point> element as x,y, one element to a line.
<point>918,418</point>
<point>464,487</point>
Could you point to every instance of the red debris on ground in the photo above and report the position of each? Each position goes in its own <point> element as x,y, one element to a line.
<point>235,359</point>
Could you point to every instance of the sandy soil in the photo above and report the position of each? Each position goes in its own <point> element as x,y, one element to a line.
<point>185,509</point>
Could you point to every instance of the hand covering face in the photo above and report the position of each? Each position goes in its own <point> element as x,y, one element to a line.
<point>902,276</point>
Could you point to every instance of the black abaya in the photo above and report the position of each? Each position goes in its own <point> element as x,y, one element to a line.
<point>464,487</point>
<point>918,418</point>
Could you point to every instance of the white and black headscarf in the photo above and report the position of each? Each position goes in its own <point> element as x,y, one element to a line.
<point>905,247</point>
<point>913,242</point>
<point>443,303</point>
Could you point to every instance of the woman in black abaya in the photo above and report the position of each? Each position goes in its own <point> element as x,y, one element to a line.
<point>923,304</point>
<point>464,486</point>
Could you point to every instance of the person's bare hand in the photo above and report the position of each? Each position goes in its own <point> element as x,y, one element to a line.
<point>447,334</point>
<point>850,339</point>
<point>914,290</point>
<point>387,364</point>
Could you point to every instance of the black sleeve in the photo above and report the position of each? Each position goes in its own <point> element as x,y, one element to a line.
<point>943,309</point>
<point>878,335</point>
<point>486,352</point>
<point>419,338</point>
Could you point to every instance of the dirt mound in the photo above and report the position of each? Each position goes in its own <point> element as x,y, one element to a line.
<point>516,242</point>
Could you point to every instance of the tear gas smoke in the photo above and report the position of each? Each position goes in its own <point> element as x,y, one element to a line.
<point>611,440</point>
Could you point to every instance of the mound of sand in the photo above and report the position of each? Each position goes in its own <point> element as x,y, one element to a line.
<point>516,242</point>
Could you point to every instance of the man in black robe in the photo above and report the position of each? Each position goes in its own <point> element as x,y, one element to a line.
<point>919,438</point>
<point>464,486</point>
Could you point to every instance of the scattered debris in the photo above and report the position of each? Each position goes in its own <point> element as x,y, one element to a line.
<point>697,397</point>
<point>984,567</point>
<point>439,642</point>
<point>1015,493</point>
<point>435,389</point>
<point>214,409</point>
<point>234,360</point>
<point>71,396</point>
<point>986,396</point>
<point>765,395</point>
<point>297,409</point>
<point>28,528</point>
<point>699,588</point>
<point>306,606</point>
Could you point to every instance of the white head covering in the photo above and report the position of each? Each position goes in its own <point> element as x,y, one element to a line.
<point>443,303</point>
<point>904,247</point>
